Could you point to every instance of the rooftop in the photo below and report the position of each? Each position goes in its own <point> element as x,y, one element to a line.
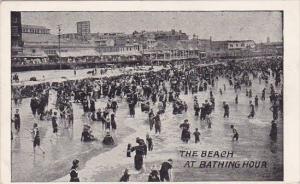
<point>34,26</point>
<point>81,22</point>
<point>224,41</point>
<point>176,45</point>
<point>50,39</point>
<point>40,38</point>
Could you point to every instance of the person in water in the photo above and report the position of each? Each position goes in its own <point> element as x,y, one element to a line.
<point>74,171</point>
<point>36,138</point>
<point>125,176</point>
<point>166,170</point>
<point>185,134</point>
<point>139,153</point>
<point>197,135</point>
<point>149,142</point>
<point>17,120</point>
<point>235,133</point>
<point>86,135</point>
<point>226,110</point>
<point>252,112</point>
<point>108,139</point>
<point>153,176</point>
<point>273,132</point>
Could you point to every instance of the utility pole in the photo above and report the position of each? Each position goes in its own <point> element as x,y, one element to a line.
<point>59,30</point>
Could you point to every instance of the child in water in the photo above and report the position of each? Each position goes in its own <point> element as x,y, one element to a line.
<point>149,142</point>
<point>235,133</point>
<point>197,135</point>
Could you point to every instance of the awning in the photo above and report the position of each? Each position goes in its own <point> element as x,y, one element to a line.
<point>157,52</point>
<point>78,53</point>
<point>149,52</point>
<point>134,53</point>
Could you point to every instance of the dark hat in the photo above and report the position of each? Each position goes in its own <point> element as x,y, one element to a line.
<point>75,162</point>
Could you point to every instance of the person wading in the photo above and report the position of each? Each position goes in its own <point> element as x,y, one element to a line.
<point>166,171</point>
<point>74,172</point>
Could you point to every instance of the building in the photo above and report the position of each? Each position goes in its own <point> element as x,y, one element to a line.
<point>240,44</point>
<point>110,45</point>
<point>160,35</point>
<point>232,48</point>
<point>233,45</point>
<point>46,45</point>
<point>204,44</point>
<point>168,35</point>
<point>119,38</point>
<point>173,51</point>
<point>105,45</point>
<point>16,34</point>
<point>71,36</point>
<point>83,27</point>
<point>219,45</point>
<point>150,43</point>
<point>131,47</point>
<point>33,29</point>
<point>271,48</point>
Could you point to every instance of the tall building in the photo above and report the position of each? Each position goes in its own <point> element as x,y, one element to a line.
<point>268,39</point>
<point>83,27</point>
<point>16,33</point>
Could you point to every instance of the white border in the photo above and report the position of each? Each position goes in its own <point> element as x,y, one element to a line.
<point>291,61</point>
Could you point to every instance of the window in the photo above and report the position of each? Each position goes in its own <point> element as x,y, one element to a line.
<point>243,44</point>
<point>231,45</point>
<point>14,19</point>
<point>14,30</point>
<point>33,50</point>
<point>14,43</point>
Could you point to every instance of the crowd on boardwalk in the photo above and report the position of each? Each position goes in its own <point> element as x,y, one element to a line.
<point>152,92</point>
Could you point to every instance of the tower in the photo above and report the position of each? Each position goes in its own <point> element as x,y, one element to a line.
<point>83,27</point>
<point>16,33</point>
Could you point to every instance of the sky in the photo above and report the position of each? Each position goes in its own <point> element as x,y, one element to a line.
<point>255,26</point>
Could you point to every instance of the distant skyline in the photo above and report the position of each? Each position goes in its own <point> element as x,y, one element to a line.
<point>255,26</point>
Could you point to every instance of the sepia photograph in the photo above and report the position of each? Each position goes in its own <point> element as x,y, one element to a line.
<point>147,96</point>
